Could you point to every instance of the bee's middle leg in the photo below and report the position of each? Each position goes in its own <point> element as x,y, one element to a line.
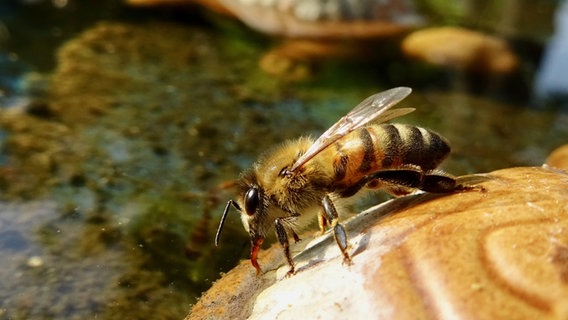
<point>322,221</point>
<point>330,214</point>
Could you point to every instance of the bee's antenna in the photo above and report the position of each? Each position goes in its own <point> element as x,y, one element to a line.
<point>229,204</point>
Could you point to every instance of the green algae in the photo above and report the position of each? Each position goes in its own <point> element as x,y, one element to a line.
<point>136,131</point>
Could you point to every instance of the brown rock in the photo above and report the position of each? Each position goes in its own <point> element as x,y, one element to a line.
<point>460,48</point>
<point>314,19</point>
<point>501,253</point>
<point>315,30</point>
<point>559,158</point>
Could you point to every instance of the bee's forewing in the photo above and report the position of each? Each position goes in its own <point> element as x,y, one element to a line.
<point>374,108</point>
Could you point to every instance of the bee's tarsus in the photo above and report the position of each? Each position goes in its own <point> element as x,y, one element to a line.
<point>467,187</point>
<point>290,272</point>
<point>347,260</point>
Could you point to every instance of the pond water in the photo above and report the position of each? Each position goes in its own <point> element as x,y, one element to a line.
<point>123,127</point>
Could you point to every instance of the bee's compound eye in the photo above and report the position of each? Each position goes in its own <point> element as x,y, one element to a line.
<point>252,200</point>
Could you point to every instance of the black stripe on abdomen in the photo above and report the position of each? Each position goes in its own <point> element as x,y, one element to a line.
<point>415,146</point>
<point>340,163</point>
<point>391,148</point>
<point>368,149</point>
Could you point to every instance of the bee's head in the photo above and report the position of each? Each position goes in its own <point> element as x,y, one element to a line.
<point>252,210</point>
<point>252,204</point>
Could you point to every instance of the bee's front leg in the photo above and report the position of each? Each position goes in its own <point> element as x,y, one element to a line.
<point>330,214</point>
<point>282,236</point>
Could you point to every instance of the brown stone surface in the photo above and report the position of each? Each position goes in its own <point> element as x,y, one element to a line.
<point>460,48</point>
<point>501,253</point>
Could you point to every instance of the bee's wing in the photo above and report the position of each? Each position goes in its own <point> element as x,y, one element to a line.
<point>374,108</point>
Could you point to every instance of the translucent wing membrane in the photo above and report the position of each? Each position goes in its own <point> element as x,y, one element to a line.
<point>374,108</point>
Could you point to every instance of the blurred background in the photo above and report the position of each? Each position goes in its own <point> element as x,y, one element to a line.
<point>124,124</point>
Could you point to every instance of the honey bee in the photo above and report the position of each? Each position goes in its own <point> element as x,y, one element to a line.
<point>287,186</point>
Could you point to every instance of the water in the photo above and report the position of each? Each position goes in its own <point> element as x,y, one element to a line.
<point>116,157</point>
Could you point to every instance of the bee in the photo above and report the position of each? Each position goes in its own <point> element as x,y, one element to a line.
<point>287,186</point>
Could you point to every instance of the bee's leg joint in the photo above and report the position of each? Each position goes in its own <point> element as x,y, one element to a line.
<point>338,231</point>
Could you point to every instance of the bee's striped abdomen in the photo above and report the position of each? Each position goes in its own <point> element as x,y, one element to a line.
<point>386,146</point>
<point>418,146</point>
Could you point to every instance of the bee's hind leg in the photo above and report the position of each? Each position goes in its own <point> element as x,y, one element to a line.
<point>330,214</point>
<point>440,182</point>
